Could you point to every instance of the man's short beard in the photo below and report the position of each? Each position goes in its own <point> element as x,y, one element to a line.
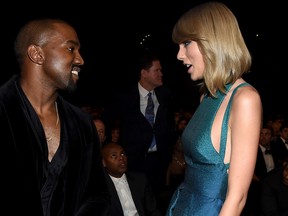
<point>72,86</point>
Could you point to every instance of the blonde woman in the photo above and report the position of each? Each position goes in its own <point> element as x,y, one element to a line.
<point>220,141</point>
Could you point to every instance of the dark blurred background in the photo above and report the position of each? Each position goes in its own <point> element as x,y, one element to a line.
<point>114,34</point>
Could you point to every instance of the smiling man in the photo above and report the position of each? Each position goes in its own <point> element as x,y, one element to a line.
<point>52,147</point>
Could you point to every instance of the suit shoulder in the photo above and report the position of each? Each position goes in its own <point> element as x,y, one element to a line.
<point>134,174</point>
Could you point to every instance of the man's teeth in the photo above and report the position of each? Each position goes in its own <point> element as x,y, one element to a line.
<point>75,72</point>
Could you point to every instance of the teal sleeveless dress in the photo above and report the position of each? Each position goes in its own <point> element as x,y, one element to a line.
<point>203,190</point>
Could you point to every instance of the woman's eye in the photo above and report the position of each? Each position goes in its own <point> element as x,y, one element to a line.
<point>186,43</point>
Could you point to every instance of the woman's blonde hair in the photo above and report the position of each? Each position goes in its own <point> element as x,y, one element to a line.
<point>215,29</point>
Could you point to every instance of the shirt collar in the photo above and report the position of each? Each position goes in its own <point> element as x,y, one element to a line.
<point>262,148</point>
<point>116,180</point>
<point>144,91</point>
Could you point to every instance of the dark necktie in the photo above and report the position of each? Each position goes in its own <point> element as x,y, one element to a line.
<point>149,111</point>
<point>149,114</point>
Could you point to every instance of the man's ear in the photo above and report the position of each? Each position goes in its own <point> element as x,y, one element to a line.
<point>103,162</point>
<point>143,72</point>
<point>35,54</point>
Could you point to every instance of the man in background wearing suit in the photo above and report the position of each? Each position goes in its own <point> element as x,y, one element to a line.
<point>148,145</point>
<point>130,192</point>
<point>279,146</point>
<point>265,163</point>
<point>274,191</point>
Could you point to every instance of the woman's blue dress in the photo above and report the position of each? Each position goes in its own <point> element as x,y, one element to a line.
<point>203,190</point>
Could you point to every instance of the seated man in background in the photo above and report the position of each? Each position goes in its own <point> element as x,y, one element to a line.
<point>101,129</point>
<point>265,162</point>
<point>131,193</point>
<point>274,191</point>
<point>280,145</point>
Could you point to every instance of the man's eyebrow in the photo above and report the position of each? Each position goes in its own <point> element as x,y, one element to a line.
<point>73,42</point>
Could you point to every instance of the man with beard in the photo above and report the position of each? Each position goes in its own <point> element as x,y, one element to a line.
<point>54,161</point>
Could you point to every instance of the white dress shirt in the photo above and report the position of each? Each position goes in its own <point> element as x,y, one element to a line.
<point>125,196</point>
<point>144,99</point>
<point>269,162</point>
<point>143,104</point>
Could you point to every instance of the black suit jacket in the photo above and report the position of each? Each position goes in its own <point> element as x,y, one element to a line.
<point>279,149</point>
<point>141,192</point>
<point>260,167</point>
<point>135,131</point>
<point>253,199</point>
<point>274,194</point>
<point>84,186</point>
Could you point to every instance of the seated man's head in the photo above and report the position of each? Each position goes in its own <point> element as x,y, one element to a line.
<point>114,159</point>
